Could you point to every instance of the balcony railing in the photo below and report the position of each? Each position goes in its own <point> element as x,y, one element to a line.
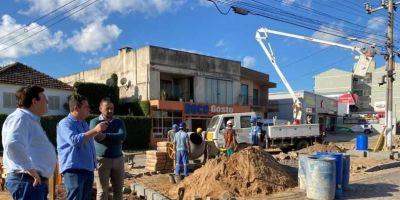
<point>251,101</point>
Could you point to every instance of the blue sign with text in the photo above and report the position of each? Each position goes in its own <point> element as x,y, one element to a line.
<point>193,109</point>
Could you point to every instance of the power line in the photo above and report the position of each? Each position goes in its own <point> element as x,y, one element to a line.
<point>37,19</point>
<point>293,19</point>
<point>56,22</point>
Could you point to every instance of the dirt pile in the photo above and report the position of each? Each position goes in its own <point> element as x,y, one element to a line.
<point>321,148</point>
<point>249,172</point>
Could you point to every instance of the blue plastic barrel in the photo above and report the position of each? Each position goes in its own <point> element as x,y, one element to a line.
<point>301,176</point>
<point>346,171</point>
<point>339,170</point>
<point>321,178</point>
<point>362,142</point>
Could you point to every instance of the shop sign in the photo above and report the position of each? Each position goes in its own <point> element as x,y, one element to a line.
<point>221,109</point>
<point>195,109</point>
<point>380,106</point>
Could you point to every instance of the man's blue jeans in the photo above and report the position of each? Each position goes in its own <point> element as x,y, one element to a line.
<point>79,184</point>
<point>182,157</point>
<point>21,187</point>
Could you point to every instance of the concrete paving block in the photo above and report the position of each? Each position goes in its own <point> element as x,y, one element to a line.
<point>396,155</point>
<point>140,190</point>
<point>149,193</point>
<point>357,153</point>
<point>157,196</point>
<point>381,155</point>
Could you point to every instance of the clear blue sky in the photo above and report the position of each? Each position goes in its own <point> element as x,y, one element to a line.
<point>80,41</point>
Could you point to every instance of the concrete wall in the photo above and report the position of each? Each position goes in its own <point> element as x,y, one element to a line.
<point>342,79</point>
<point>63,94</point>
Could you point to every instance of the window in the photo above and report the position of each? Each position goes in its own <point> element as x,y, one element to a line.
<point>255,97</point>
<point>54,102</point>
<point>219,91</point>
<point>366,92</point>
<point>9,100</point>
<point>245,122</point>
<point>244,93</point>
<point>162,122</point>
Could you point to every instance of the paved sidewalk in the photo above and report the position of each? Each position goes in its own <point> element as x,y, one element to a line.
<point>383,185</point>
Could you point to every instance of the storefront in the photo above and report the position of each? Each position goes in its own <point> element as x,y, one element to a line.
<point>196,115</point>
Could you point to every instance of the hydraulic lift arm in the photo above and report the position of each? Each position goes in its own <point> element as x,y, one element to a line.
<point>262,37</point>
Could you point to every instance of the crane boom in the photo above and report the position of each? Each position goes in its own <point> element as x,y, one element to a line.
<point>262,36</point>
<point>297,111</point>
<point>266,31</point>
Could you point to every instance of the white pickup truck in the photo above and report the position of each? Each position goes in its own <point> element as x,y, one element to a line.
<point>278,136</point>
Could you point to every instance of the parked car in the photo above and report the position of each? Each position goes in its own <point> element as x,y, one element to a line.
<point>362,128</point>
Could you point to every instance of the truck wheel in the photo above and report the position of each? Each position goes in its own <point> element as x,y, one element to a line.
<point>302,144</point>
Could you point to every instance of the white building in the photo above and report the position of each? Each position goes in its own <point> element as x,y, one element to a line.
<point>14,76</point>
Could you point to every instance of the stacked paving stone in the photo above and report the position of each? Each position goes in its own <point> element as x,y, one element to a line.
<point>158,160</point>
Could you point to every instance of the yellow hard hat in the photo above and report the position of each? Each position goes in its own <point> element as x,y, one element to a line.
<point>198,130</point>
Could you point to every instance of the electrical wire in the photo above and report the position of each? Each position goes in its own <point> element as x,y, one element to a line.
<point>52,24</point>
<point>45,23</point>
<point>37,19</point>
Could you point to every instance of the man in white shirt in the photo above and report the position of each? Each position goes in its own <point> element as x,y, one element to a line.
<point>29,157</point>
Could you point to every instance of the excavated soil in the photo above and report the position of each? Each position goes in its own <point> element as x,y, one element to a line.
<point>249,172</point>
<point>321,148</point>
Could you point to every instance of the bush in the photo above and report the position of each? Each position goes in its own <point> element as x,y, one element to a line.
<point>95,92</point>
<point>134,108</point>
<point>138,130</point>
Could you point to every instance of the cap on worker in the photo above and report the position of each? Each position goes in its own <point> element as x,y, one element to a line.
<point>198,130</point>
<point>229,122</point>
<point>253,120</point>
<point>175,126</point>
<point>182,125</point>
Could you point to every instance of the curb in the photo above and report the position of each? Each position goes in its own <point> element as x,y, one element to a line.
<point>383,167</point>
<point>146,193</point>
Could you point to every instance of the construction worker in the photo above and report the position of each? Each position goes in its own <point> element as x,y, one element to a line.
<point>171,133</point>
<point>201,133</point>
<point>255,131</point>
<point>230,143</point>
<point>182,145</point>
<point>371,51</point>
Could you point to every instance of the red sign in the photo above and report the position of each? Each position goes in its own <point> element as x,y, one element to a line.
<point>347,98</point>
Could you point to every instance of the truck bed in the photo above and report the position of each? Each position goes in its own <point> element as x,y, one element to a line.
<point>293,131</point>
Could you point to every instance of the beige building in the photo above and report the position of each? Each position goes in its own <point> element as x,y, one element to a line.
<point>334,83</point>
<point>181,85</point>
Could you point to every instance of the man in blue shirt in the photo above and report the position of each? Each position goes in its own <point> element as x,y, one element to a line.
<point>76,152</point>
<point>29,157</point>
<point>182,145</point>
<point>255,131</point>
<point>109,152</point>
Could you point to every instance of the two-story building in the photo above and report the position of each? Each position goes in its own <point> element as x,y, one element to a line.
<point>181,86</point>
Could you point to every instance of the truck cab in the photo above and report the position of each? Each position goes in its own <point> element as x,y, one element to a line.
<point>241,124</point>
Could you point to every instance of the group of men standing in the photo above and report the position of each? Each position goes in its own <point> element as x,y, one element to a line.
<point>30,158</point>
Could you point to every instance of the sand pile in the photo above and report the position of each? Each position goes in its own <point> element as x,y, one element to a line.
<point>321,148</point>
<point>228,176</point>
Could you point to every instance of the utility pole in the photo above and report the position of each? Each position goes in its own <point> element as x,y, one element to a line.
<point>390,6</point>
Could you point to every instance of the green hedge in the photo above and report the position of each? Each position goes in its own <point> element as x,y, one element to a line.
<point>138,136</point>
<point>95,92</point>
<point>136,108</point>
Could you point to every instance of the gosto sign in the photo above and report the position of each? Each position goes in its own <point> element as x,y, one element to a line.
<point>196,109</point>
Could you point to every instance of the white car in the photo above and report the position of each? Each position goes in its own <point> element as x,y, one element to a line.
<point>362,128</point>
